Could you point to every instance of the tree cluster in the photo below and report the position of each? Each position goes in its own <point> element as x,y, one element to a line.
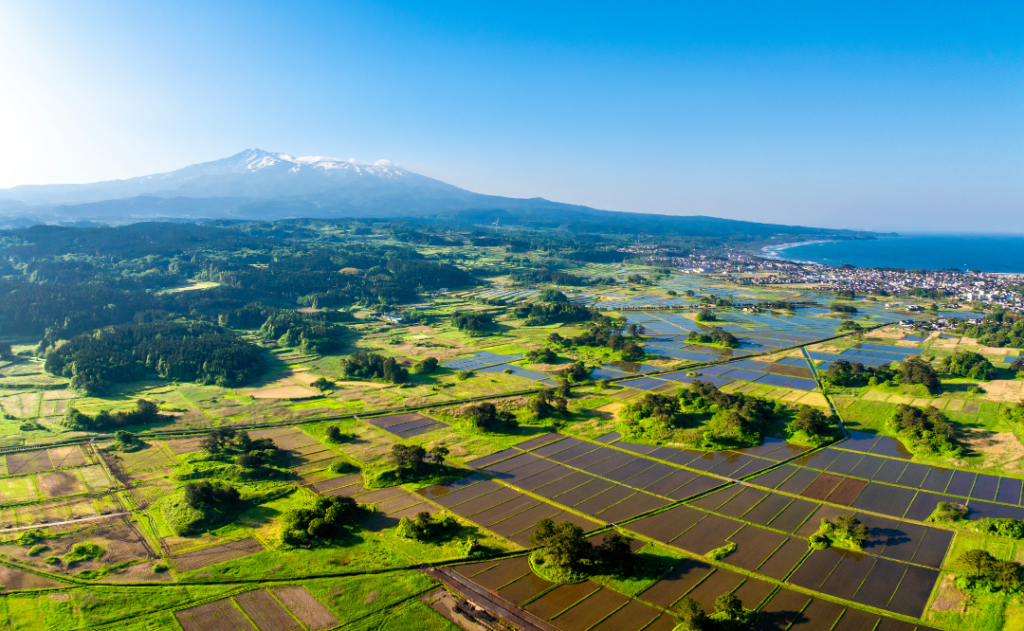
<point>473,323</point>
<point>844,530</point>
<point>814,423</point>
<point>204,496</point>
<point>980,570</point>
<point>179,351</point>
<point>602,335</point>
<point>539,314</point>
<point>487,417</point>
<point>322,522</point>
<point>549,276</point>
<point>564,547</point>
<point>713,335</point>
<point>970,365</point>
<point>927,429</point>
<point>365,365</point>
<point>541,356</point>
<point>838,308</point>
<point>426,528</point>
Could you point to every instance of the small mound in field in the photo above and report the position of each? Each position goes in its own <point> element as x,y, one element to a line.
<point>217,554</point>
<point>287,392</point>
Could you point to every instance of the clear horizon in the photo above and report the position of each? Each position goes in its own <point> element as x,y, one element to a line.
<point>874,117</point>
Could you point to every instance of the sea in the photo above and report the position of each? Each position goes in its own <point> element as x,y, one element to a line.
<point>985,253</point>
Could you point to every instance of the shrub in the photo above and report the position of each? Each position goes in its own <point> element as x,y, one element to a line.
<point>948,512</point>
<point>335,435</point>
<point>720,553</point>
<point>36,550</point>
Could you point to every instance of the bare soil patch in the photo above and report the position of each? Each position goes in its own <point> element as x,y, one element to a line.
<point>217,554</point>
<point>306,608</point>
<point>1004,391</point>
<point>998,448</point>
<point>950,598</point>
<point>59,483</point>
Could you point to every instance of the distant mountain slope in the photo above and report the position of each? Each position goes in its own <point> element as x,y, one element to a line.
<point>262,185</point>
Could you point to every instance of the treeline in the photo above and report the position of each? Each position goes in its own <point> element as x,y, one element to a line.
<point>180,351</point>
<point>317,333</point>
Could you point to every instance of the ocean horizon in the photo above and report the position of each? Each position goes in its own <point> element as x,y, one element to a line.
<point>998,253</point>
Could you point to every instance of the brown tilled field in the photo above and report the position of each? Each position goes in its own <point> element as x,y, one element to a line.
<point>306,608</point>
<point>220,615</point>
<point>294,440</point>
<point>217,554</point>
<point>59,483</point>
<point>96,477</point>
<point>264,610</point>
<point>120,542</point>
<point>12,579</point>
<point>22,462</point>
<point>184,445</point>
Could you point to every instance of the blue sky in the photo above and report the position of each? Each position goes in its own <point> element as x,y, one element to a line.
<point>888,116</point>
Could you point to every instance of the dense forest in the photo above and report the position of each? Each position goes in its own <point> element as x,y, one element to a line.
<point>61,282</point>
<point>180,351</point>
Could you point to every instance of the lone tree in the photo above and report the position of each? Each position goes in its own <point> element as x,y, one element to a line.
<point>691,615</point>
<point>323,384</point>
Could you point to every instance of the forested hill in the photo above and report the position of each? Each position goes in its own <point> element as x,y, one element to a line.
<point>61,282</point>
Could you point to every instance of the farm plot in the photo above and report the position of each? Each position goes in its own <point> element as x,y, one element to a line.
<point>304,606</point>
<point>64,457</point>
<point>150,457</point>
<point>59,483</point>
<point>887,584</point>
<point>182,446</point>
<point>12,580</point>
<point>293,439</point>
<point>15,490</point>
<point>266,612</point>
<point>406,425</point>
<point>216,554</point>
<point>220,615</point>
<point>22,462</point>
<point>120,542</point>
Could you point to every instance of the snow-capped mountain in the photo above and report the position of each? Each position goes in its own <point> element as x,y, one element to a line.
<point>253,173</point>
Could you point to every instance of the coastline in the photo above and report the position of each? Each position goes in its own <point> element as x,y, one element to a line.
<point>773,252</point>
